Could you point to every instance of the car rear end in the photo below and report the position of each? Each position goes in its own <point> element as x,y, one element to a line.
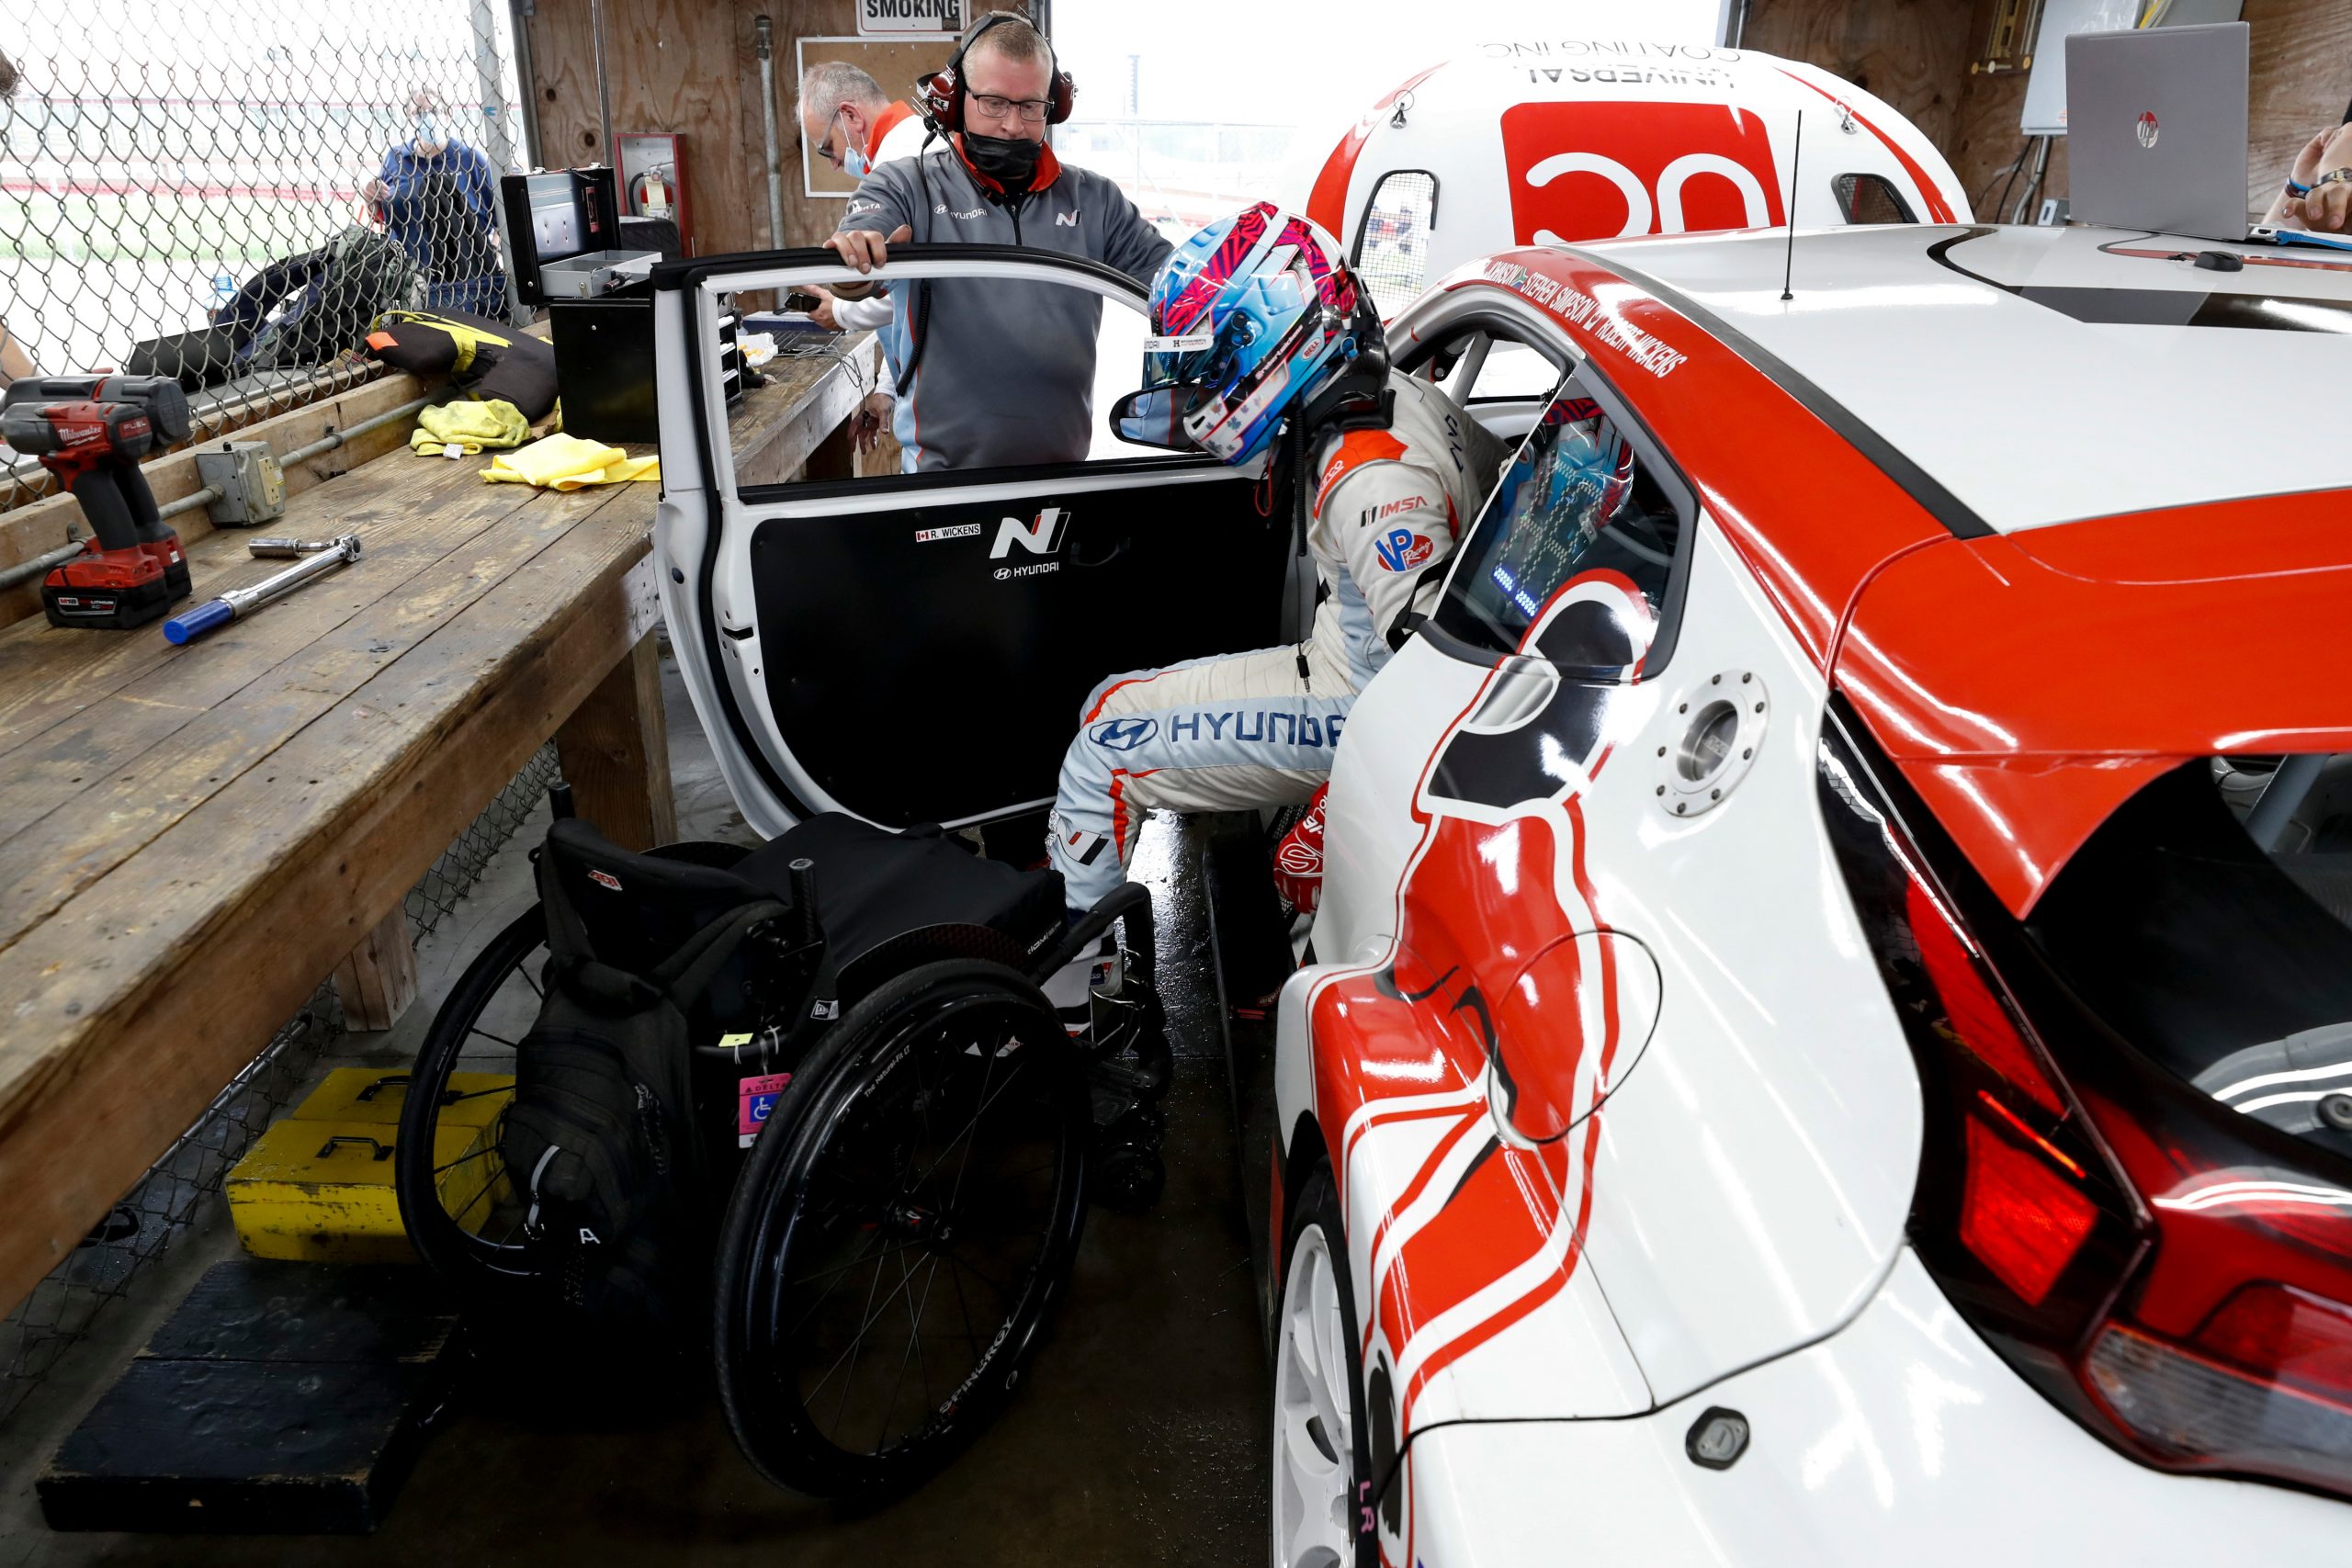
<point>2112,920</point>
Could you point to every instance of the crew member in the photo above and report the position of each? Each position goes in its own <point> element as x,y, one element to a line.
<point>854,126</point>
<point>995,371</point>
<point>1268,328</point>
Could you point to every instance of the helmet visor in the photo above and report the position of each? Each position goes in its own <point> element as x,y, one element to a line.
<point>1168,361</point>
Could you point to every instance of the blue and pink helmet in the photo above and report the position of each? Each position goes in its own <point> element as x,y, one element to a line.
<point>1253,316</point>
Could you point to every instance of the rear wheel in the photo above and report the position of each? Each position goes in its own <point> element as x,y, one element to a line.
<point>905,1226</point>
<point>461,1211</point>
<point>1322,1511</point>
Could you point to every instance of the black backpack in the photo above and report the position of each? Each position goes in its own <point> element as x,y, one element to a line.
<point>600,1142</point>
<point>305,310</point>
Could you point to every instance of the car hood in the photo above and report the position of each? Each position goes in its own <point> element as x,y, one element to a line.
<point>2027,685</point>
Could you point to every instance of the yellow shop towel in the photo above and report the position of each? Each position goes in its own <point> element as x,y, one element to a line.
<point>469,425</point>
<point>567,462</point>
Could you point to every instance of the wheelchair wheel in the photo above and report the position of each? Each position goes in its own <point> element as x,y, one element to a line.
<point>460,1211</point>
<point>904,1228</point>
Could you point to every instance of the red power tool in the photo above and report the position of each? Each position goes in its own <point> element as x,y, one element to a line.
<point>91,431</point>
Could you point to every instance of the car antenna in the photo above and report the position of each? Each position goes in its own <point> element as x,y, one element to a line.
<point>1796,158</point>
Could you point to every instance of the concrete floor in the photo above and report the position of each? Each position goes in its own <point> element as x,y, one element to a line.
<point>1139,1439</point>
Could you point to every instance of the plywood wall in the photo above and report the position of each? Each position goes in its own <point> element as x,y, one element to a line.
<point>691,67</point>
<point>1913,53</point>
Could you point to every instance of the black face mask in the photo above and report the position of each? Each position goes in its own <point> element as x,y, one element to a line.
<point>1009,161</point>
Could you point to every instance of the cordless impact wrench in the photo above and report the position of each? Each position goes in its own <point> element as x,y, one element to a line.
<point>91,431</point>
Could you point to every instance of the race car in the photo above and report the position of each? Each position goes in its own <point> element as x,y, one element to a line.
<point>1519,141</point>
<point>1827,1035</point>
<point>1829,1038</point>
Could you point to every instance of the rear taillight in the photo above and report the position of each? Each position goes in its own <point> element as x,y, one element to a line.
<point>2170,1272</point>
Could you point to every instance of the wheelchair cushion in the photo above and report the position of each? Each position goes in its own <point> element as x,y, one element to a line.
<point>872,884</point>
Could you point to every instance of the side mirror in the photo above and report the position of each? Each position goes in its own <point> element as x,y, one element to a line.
<point>1155,417</point>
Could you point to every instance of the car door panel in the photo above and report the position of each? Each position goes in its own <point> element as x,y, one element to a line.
<point>915,648</point>
<point>1004,616</point>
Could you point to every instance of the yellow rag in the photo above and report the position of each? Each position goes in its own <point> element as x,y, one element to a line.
<point>567,462</point>
<point>470,425</point>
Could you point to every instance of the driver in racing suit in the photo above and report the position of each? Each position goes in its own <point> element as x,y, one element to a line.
<point>1257,322</point>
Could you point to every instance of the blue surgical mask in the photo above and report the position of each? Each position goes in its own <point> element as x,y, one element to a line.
<point>854,162</point>
<point>428,130</point>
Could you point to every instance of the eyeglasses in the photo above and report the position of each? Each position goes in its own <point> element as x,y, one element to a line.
<point>1033,110</point>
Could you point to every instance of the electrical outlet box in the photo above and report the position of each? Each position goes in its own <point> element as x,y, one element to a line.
<point>252,485</point>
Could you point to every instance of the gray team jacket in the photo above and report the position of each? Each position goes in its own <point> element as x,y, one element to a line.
<point>1007,374</point>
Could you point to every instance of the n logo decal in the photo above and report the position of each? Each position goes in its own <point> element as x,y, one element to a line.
<point>1043,538</point>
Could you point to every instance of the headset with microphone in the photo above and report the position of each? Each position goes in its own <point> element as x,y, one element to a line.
<point>940,94</point>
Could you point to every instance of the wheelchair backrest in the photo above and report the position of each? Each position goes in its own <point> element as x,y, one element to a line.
<point>638,910</point>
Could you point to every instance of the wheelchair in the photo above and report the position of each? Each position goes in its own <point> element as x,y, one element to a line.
<point>900,1224</point>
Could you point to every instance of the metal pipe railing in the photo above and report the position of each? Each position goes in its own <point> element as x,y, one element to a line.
<point>26,570</point>
<point>324,444</point>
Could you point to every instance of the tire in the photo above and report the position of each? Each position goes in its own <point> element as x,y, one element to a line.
<point>476,1247</point>
<point>1321,1513</point>
<point>855,1164</point>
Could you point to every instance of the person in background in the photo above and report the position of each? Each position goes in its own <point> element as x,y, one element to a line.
<point>2318,193</point>
<point>854,126</point>
<point>15,364</point>
<point>437,196</point>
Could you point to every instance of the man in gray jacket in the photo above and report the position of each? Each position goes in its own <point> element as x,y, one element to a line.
<point>995,371</point>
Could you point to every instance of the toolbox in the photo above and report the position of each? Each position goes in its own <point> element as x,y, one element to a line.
<point>322,1191</point>
<point>603,364</point>
<point>367,1094</point>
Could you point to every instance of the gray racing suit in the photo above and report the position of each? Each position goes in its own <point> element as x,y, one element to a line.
<point>1007,369</point>
<point>1251,729</point>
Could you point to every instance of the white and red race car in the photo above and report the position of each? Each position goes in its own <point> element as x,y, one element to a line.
<point>1518,142</point>
<point>1833,1036</point>
<point>1831,1040</point>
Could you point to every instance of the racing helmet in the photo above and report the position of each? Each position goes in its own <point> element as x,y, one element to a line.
<point>1252,317</point>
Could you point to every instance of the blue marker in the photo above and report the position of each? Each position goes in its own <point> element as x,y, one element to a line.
<point>191,625</point>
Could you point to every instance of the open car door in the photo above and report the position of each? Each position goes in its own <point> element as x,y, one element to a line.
<point>914,648</point>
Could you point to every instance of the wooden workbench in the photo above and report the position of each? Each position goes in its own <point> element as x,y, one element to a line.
<point>193,838</point>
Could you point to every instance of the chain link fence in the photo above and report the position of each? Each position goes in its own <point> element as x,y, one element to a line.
<point>183,1188</point>
<point>230,193</point>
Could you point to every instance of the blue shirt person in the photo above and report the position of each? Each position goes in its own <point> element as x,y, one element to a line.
<point>436,195</point>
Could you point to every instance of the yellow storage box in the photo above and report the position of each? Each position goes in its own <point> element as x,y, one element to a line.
<point>370,1094</point>
<point>322,1191</point>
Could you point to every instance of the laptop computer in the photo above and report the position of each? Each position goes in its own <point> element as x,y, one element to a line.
<point>2157,129</point>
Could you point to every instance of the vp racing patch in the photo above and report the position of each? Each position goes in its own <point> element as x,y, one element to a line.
<point>1403,551</point>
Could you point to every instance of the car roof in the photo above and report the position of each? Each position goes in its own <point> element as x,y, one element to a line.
<point>2040,376</point>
